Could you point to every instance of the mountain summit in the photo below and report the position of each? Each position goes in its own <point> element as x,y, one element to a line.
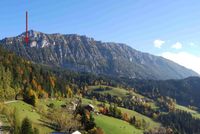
<point>83,54</point>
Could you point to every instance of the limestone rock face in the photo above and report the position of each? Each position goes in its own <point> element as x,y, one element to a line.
<point>83,54</point>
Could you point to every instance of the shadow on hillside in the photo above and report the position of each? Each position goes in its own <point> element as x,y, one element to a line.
<point>49,124</point>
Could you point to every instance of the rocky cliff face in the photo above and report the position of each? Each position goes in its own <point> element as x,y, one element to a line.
<point>84,54</point>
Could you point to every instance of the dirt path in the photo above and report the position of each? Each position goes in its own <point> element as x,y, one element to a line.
<point>8,102</point>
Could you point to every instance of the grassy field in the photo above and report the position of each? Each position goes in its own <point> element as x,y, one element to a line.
<point>110,125</point>
<point>113,90</point>
<point>25,110</point>
<point>193,112</point>
<point>152,124</point>
<point>119,92</point>
<point>115,126</point>
<point>57,103</point>
<point>4,120</point>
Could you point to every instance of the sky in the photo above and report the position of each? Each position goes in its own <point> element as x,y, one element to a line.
<point>168,28</point>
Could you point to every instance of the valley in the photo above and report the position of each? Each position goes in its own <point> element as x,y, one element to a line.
<point>57,100</point>
<point>99,67</point>
<point>106,122</point>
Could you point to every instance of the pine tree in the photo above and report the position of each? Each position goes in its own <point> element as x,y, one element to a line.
<point>1,76</point>
<point>133,120</point>
<point>26,127</point>
<point>30,97</point>
<point>83,118</point>
<point>90,124</point>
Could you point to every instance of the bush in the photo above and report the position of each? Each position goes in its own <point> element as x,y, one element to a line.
<point>51,105</point>
<point>96,131</point>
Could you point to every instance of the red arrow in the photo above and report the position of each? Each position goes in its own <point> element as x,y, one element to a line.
<point>26,38</point>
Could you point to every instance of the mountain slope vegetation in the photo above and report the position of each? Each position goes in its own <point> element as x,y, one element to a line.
<point>185,91</point>
<point>144,106</point>
<point>83,54</point>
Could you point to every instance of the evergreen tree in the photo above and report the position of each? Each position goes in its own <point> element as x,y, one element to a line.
<point>1,76</point>
<point>133,120</point>
<point>90,124</point>
<point>30,97</point>
<point>26,127</point>
<point>83,117</point>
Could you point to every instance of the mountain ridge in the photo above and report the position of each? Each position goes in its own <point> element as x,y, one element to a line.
<point>84,54</point>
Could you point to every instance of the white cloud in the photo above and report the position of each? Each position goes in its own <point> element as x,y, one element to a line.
<point>192,44</point>
<point>185,59</point>
<point>177,45</point>
<point>158,43</point>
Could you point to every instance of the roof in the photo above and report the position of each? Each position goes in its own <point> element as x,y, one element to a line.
<point>91,106</point>
<point>76,132</point>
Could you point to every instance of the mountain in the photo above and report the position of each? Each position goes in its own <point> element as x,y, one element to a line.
<point>80,53</point>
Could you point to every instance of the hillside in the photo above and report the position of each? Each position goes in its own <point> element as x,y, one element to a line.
<point>16,73</point>
<point>137,105</point>
<point>84,54</point>
<point>185,91</point>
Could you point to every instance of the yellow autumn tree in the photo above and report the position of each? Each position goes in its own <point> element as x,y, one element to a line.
<point>52,81</point>
<point>69,92</point>
<point>34,83</point>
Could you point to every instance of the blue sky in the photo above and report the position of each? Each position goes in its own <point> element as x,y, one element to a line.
<point>167,28</point>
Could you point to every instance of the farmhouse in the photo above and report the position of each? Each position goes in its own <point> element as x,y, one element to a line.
<point>89,107</point>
